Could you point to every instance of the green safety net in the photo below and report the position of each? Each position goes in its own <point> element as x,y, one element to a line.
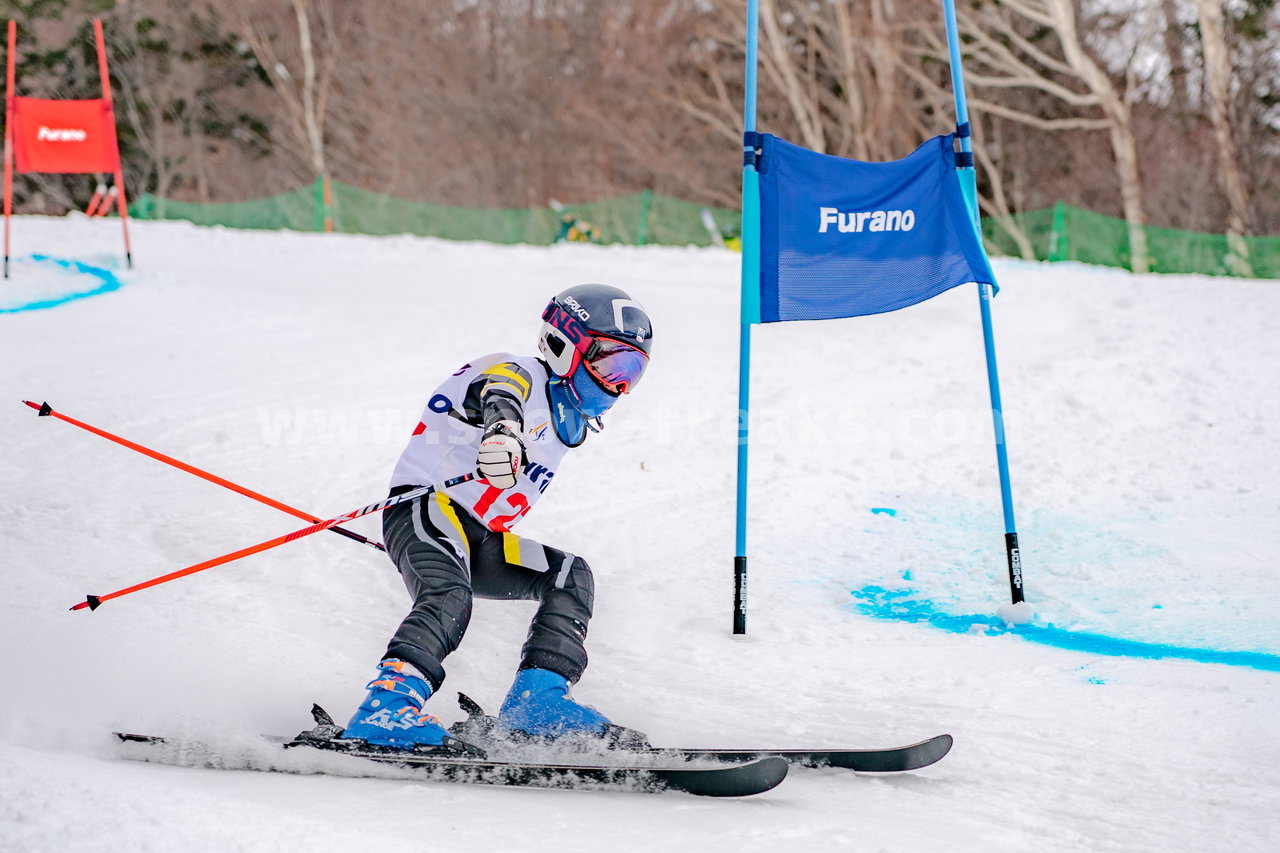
<point>295,210</point>
<point>1060,233</point>
<point>639,219</point>
<point>1066,233</point>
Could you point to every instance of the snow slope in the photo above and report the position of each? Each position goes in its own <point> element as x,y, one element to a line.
<point>1143,430</point>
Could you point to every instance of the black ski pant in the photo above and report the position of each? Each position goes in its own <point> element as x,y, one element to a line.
<point>445,557</point>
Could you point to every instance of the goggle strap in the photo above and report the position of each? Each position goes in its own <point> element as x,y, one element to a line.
<point>584,341</point>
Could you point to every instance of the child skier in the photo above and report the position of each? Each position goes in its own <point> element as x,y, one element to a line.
<point>510,419</point>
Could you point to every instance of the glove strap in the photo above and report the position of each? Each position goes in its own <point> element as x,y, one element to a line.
<point>501,428</point>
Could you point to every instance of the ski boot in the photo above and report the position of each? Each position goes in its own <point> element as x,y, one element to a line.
<point>539,705</point>
<point>391,715</point>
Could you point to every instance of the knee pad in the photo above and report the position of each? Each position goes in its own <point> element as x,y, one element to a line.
<point>577,580</point>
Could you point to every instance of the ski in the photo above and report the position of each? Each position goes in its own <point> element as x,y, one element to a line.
<point>483,728</point>
<point>886,760</point>
<point>461,762</point>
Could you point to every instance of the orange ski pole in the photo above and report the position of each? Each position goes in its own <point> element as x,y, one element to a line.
<point>45,410</point>
<point>92,602</point>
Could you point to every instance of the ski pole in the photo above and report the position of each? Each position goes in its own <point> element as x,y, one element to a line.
<point>45,410</point>
<point>92,602</point>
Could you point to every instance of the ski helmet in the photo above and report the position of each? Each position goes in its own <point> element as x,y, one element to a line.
<point>597,339</point>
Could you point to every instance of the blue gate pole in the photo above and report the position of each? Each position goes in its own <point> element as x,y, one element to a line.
<point>969,183</point>
<point>750,314</point>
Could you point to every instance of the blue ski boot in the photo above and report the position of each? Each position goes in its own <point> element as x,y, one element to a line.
<point>539,704</point>
<point>391,715</point>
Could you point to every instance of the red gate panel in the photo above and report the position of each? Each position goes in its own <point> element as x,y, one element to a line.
<point>64,136</point>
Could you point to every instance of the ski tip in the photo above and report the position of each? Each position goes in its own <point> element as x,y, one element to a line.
<point>730,780</point>
<point>933,750</point>
<point>771,770</point>
<point>776,768</point>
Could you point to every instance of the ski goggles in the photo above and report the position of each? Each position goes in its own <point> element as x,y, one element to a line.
<point>615,365</point>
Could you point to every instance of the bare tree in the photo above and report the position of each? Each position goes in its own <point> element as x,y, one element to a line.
<point>300,70</point>
<point>995,202</point>
<point>1009,47</point>
<point>854,55</point>
<point>507,103</point>
<point>832,75</point>
<point>154,86</point>
<point>313,104</point>
<point>778,53</point>
<point>1174,37</point>
<point>1218,78</point>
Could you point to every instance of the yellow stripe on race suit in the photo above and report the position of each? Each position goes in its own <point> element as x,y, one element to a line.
<point>494,383</point>
<point>499,370</point>
<point>525,553</point>
<point>511,548</point>
<point>446,506</point>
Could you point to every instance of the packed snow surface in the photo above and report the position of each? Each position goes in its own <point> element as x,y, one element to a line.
<point>1143,422</point>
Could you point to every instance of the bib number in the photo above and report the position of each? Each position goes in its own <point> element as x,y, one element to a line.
<point>501,523</point>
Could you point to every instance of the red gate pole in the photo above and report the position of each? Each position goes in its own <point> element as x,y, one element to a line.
<point>106,96</point>
<point>8,138</point>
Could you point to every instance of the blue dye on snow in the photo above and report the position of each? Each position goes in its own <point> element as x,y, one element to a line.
<point>899,605</point>
<point>106,278</point>
<point>883,510</point>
